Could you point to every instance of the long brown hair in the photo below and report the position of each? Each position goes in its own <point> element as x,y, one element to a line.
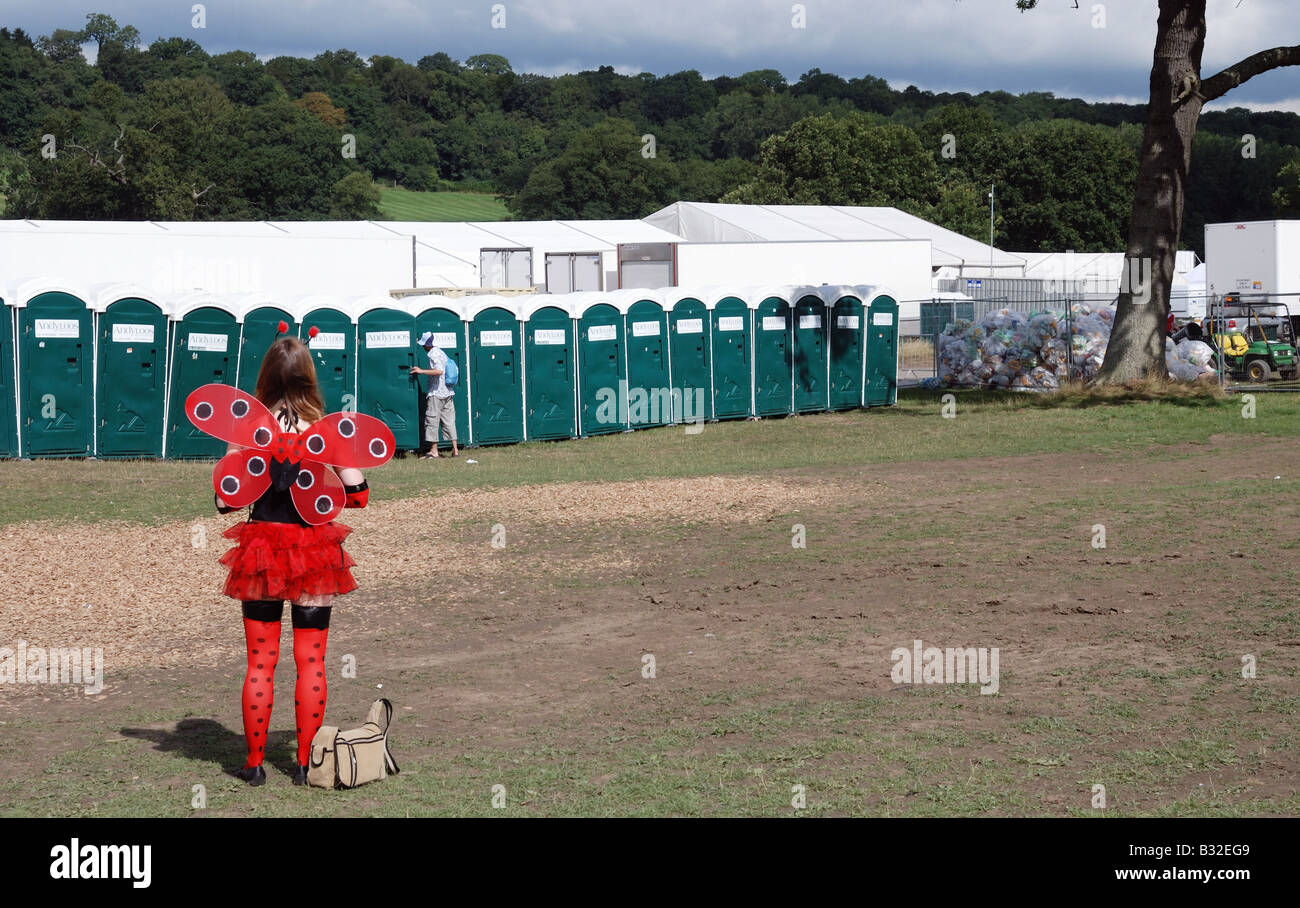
<point>288,376</point>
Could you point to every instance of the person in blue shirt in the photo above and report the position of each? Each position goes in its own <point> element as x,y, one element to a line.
<point>440,401</point>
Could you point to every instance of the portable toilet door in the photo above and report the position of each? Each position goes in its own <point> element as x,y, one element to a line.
<point>881,379</point>
<point>8,412</point>
<point>649,378</point>
<point>497,383</point>
<point>602,375</point>
<point>56,377</point>
<point>449,336</point>
<point>261,328</point>
<point>204,349</point>
<point>846,349</point>
<point>810,380</point>
<point>386,389</point>
<point>334,353</point>
<point>733,376</point>
<point>132,383</point>
<point>549,374</point>
<point>688,340</point>
<point>773,376</point>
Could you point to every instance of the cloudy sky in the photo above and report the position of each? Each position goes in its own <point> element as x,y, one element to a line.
<point>1098,51</point>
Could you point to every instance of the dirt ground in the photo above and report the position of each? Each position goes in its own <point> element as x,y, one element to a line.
<point>1120,664</point>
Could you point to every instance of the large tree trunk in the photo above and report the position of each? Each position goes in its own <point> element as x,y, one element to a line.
<point>1137,342</point>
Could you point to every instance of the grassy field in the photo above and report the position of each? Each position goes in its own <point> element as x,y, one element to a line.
<point>986,424</point>
<point>522,666</point>
<point>405,205</point>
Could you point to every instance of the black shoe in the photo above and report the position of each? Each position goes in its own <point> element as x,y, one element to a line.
<point>300,775</point>
<point>253,775</point>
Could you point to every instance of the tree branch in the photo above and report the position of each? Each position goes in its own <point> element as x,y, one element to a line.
<point>1221,83</point>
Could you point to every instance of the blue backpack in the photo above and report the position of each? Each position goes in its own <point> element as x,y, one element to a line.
<point>450,372</point>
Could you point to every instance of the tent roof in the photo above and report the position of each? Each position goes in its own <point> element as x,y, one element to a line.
<point>713,222</point>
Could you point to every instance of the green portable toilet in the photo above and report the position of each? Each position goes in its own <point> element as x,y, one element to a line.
<point>386,389</point>
<point>8,395</point>
<point>688,342</point>
<point>549,369</point>
<point>602,368</point>
<point>733,375</point>
<point>132,378</point>
<point>56,375</point>
<point>496,397</point>
<point>333,352</point>
<point>649,373</point>
<point>443,317</point>
<point>809,354</point>
<point>204,349</point>
<point>881,378</point>
<point>773,375</point>
<point>846,348</point>
<point>261,326</point>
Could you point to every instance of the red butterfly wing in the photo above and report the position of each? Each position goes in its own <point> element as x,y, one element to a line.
<point>241,477</point>
<point>231,415</point>
<point>349,440</point>
<point>317,493</point>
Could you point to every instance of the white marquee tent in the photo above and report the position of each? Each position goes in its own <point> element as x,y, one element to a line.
<point>709,222</point>
<point>170,259</point>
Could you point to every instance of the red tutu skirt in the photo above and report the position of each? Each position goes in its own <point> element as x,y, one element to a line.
<point>279,561</point>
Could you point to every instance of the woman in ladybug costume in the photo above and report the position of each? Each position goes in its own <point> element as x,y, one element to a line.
<point>278,461</point>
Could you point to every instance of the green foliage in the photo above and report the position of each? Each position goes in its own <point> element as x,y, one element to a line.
<point>354,198</point>
<point>282,155</point>
<point>535,139</point>
<point>493,64</point>
<point>1063,185</point>
<point>1286,200</point>
<point>602,174</point>
<point>846,161</point>
<point>103,29</point>
<point>709,181</point>
<point>13,179</point>
<point>675,97</point>
<point>853,161</point>
<point>1229,185</point>
<point>61,45</point>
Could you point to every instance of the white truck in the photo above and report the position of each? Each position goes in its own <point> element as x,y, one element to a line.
<point>1256,263</point>
<point>1260,260</point>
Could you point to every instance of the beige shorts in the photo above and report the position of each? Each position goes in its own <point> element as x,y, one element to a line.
<point>440,412</point>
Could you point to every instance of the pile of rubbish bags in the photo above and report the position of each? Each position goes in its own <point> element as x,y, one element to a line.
<point>1188,360</point>
<point>1037,351</point>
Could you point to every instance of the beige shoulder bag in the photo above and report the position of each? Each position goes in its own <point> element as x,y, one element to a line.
<point>346,759</point>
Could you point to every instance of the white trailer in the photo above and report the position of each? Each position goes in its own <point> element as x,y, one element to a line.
<point>1255,259</point>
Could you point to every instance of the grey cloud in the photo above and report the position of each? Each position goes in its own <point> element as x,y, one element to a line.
<point>942,45</point>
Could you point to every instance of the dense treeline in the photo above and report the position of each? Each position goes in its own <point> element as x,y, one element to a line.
<point>169,131</point>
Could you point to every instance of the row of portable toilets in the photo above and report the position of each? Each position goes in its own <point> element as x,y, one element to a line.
<point>107,374</point>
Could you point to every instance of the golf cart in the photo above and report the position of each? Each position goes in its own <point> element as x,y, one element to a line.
<point>1257,343</point>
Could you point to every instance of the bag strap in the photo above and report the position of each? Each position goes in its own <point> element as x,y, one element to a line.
<point>388,723</point>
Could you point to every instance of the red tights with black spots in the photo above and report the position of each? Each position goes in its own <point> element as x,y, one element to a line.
<point>262,631</point>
